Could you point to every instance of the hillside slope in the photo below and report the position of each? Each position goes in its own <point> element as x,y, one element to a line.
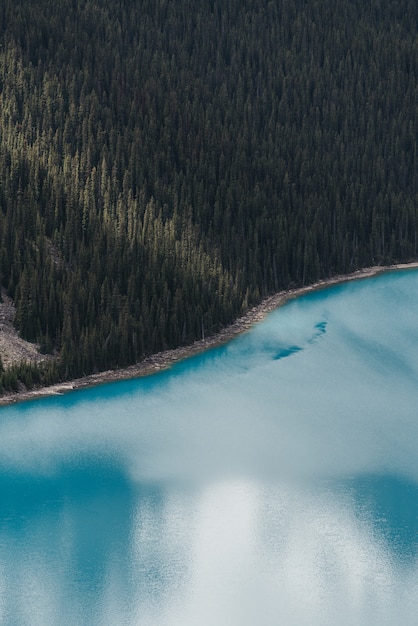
<point>165,165</point>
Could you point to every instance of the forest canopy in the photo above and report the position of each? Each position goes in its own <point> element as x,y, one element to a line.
<point>165,164</point>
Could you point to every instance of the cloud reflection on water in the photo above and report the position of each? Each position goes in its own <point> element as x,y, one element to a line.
<point>243,479</point>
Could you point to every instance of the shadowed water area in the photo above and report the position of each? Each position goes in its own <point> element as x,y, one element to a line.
<point>273,480</point>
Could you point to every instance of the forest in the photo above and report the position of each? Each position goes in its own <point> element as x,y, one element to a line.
<point>166,164</point>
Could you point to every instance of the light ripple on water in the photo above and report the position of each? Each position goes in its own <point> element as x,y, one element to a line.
<point>271,480</point>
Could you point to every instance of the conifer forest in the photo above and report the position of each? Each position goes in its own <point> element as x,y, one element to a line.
<point>166,164</point>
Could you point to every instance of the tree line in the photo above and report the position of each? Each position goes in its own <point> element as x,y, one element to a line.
<point>164,165</point>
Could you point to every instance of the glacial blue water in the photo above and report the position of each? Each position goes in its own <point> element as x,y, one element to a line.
<point>271,481</point>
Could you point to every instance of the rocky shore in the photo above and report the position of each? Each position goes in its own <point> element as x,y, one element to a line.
<point>165,359</point>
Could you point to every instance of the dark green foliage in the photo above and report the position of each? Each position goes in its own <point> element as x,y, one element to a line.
<point>29,375</point>
<point>164,165</point>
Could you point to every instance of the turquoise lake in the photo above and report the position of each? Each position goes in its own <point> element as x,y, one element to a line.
<point>272,481</point>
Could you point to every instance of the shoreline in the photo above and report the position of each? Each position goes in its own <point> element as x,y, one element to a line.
<point>164,360</point>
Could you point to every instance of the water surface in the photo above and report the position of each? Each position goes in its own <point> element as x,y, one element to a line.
<point>273,480</point>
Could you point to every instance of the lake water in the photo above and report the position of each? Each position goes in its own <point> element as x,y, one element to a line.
<point>272,481</point>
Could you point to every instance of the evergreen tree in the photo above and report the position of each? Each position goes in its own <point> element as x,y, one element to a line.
<point>163,166</point>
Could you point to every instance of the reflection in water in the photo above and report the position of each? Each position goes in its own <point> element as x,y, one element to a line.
<point>239,488</point>
<point>89,547</point>
<point>58,536</point>
<point>390,505</point>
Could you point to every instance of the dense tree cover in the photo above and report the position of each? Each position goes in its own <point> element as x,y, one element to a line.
<point>165,163</point>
